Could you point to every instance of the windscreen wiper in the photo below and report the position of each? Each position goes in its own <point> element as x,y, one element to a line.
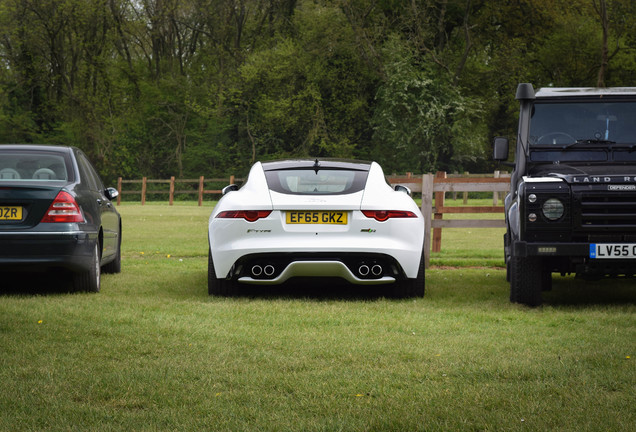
<point>587,142</point>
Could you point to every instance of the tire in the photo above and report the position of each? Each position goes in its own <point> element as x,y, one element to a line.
<point>115,265</point>
<point>411,287</point>
<point>90,280</point>
<point>508,259</point>
<point>528,276</point>
<point>219,287</point>
<point>507,254</point>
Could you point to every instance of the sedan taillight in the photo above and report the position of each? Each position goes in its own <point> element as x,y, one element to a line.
<point>248,215</point>
<point>383,215</point>
<point>64,209</point>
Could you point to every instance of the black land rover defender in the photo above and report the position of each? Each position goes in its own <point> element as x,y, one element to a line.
<point>572,201</point>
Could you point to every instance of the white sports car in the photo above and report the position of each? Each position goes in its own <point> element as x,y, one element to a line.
<point>316,218</point>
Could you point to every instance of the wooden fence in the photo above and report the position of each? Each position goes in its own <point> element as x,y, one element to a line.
<point>197,186</point>
<point>433,189</point>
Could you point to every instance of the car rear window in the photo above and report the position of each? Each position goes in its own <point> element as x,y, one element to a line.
<point>33,166</point>
<point>316,182</point>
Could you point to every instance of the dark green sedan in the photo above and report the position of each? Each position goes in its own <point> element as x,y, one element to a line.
<point>56,214</point>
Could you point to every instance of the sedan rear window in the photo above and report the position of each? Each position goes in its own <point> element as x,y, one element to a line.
<point>316,182</point>
<point>32,166</point>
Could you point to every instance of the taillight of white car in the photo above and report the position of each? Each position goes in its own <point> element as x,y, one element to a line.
<point>384,215</point>
<point>248,215</point>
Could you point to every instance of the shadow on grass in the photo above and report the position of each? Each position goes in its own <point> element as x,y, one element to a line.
<point>575,292</point>
<point>316,289</point>
<point>35,283</point>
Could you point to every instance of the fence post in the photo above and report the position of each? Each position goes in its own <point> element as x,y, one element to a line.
<point>119,190</point>
<point>439,203</point>
<point>171,197</point>
<point>455,192</point>
<point>232,179</point>
<point>200,191</point>
<point>466,173</point>
<point>143,190</point>
<point>495,195</point>
<point>427,209</point>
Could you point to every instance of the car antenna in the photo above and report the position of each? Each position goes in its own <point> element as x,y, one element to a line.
<point>316,166</point>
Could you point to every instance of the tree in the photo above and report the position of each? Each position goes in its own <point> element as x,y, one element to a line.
<point>421,121</point>
<point>306,96</point>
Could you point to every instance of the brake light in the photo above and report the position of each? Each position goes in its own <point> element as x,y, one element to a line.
<point>64,209</point>
<point>248,215</point>
<point>383,215</point>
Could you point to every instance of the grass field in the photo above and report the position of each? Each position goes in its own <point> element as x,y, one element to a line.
<point>153,352</point>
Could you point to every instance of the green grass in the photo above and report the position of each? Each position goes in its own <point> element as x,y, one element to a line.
<point>154,352</point>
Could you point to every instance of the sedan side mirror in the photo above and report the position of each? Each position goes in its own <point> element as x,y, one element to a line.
<point>402,188</point>
<point>230,188</point>
<point>111,193</point>
<point>500,149</point>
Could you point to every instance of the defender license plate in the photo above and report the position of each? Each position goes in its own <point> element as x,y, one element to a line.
<point>612,250</point>
<point>10,213</point>
<point>316,217</point>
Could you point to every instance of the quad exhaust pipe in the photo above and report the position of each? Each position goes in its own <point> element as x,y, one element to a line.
<point>365,271</point>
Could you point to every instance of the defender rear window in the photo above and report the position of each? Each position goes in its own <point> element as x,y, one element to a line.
<point>316,182</point>
<point>33,166</point>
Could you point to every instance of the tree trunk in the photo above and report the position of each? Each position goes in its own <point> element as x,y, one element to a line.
<point>602,11</point>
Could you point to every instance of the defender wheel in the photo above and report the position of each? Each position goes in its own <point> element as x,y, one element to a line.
<point>219,287</point>
<point>527,279</point>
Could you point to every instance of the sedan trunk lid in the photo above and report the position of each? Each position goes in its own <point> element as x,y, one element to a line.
<point>29,201</point>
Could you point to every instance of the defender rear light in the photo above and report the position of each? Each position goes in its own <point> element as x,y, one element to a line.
<point>64,209</point>
<point>248,215</point>
<point>383,215</point>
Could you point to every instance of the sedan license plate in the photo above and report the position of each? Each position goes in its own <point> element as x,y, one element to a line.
<point>612,250</point>
<point>316,217</point>
<point>10,213</point>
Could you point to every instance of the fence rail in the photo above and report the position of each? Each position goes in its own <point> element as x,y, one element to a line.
<point>199,187</point>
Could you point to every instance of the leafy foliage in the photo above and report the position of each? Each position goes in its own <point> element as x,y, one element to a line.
<point>205,87</point>
<point>421,115</point>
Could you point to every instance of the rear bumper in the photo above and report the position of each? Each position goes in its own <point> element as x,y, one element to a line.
<point>356,268</point>
<point>34,251</point>
<point>316,269</point>
<point>405,255</point>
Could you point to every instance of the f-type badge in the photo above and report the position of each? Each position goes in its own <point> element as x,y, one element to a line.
<point>369,230</point>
